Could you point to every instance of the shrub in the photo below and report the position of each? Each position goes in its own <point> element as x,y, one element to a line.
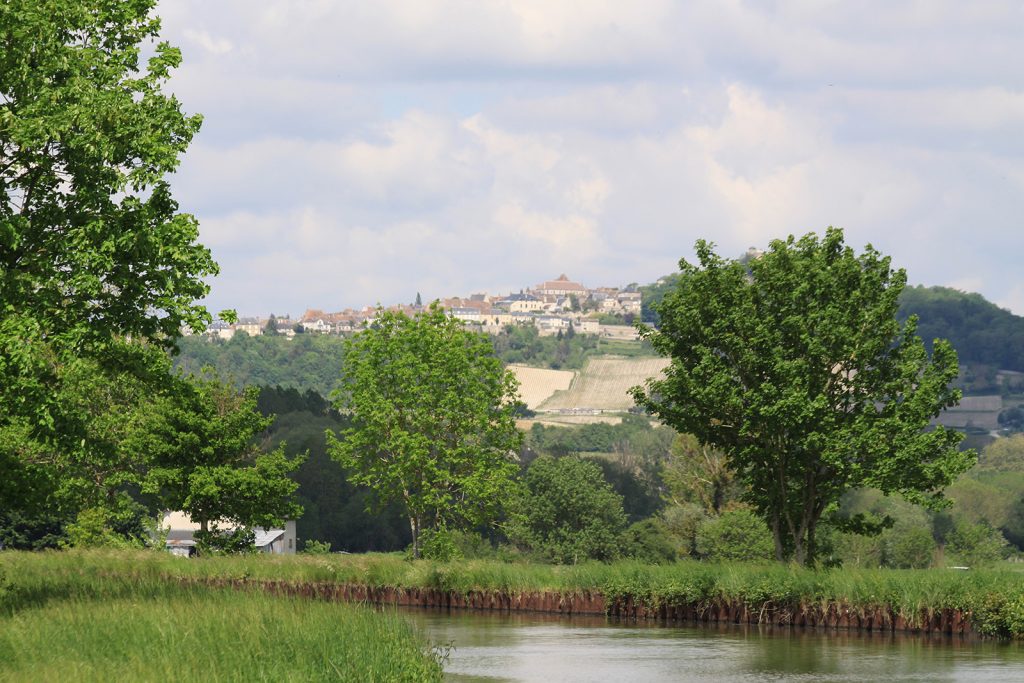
<point>313,547</point>
<point>908,547</point>
<point>438,544</point>
<point>238,541</point>
<point>976,545</point>
<point>683,522</point>
<point>649,541</point>
<point>858,550</point>
<point>92,529</point>
<point>736,535</point>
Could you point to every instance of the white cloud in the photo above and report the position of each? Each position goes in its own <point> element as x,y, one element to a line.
<point>354,152</point>
<point>217,46</point>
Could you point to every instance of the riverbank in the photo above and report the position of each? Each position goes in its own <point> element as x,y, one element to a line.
<point>966,603</point>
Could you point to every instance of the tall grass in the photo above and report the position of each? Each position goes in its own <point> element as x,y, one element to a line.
<point>101,617</point>
<point>993,598</point>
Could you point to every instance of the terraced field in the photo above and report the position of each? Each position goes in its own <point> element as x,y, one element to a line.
<point>604,384</point>
<point>536,385</point>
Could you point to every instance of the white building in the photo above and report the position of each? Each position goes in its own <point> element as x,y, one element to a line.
<point>181,530</point>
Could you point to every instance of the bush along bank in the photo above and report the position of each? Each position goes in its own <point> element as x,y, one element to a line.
<point>987,603</point>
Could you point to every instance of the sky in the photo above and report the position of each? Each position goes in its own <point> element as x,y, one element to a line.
<point>356,153</point>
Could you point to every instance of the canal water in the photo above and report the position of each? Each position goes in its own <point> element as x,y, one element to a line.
<point>547,649</point>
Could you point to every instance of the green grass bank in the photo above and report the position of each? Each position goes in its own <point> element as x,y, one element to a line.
<point>101,617</point>
<point>987,602</point>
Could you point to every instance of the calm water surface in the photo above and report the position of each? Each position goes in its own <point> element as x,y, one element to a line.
<point>489,647</point>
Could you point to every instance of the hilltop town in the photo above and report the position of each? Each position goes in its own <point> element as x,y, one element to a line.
<point>559,305</point>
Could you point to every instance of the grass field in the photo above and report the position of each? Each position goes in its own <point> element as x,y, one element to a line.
<point>604,384</point>
<point>536,385</point>
<point>557,420</point>
<point>122,617</point>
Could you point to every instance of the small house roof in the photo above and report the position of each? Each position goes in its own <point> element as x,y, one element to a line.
<point>265,537</point>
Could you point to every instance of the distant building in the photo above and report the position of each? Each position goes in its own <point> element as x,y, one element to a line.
<point>181,530</point>
<point>220,330</point>
<point>562,286</point>
<point>251,326</point>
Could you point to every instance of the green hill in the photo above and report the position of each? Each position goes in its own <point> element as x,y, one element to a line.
<point>981,332</point>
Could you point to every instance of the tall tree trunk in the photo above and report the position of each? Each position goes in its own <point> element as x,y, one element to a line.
<point>811,549</point>
<point>414,525</point>
<point>777,537</point>
<point>799,551</point>
<point>204,527</point>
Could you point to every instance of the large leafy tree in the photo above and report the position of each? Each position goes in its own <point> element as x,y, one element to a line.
<point>92,246</point>
<point>568,512</point>
<point>433,420</point>
<point>202,452</point>
<point>795,365</point>
<point>91,241</point>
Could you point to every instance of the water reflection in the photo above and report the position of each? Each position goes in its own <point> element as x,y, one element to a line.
<point>527,647</point>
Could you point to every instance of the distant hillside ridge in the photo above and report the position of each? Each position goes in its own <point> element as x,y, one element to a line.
<point>980,331</point>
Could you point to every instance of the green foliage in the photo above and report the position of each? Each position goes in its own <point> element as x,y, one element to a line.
<point>278,400</point>
<point>872,529</point>
<point>649,541</point>
<point>977,500</point>
<point>908,547</point>
<point>89,234</point>
<point>1012,418</point>
<point>857,550</point>
<point>976,545</point>
<point>433,420</point>
<point>567,512</point>
<point>309,362</point>
<point>92,529</point>
<point>1003,455</point>
<point>204,459</point>
<point>39,531</point>
<point>795,365</point>
<point>630,455</point>
<point>313,547</point>
<point>523,344</point>
<point>95,253</point>
<point>700,474</point>
<point>634,480</point>
<point>92,245</point>
<point>439,544</point>
<point>993,599</point>
<point>447,545</point>
<point>237,541</point>
<point>334,509</point>
<point>634,433</point>
<point>981,332</point>
<point>736,535</point>
<point>683,522</point>
<point>652,295</point>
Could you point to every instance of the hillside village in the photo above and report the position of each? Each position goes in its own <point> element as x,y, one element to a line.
<point>559,305</point>
<point>564,306</point>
